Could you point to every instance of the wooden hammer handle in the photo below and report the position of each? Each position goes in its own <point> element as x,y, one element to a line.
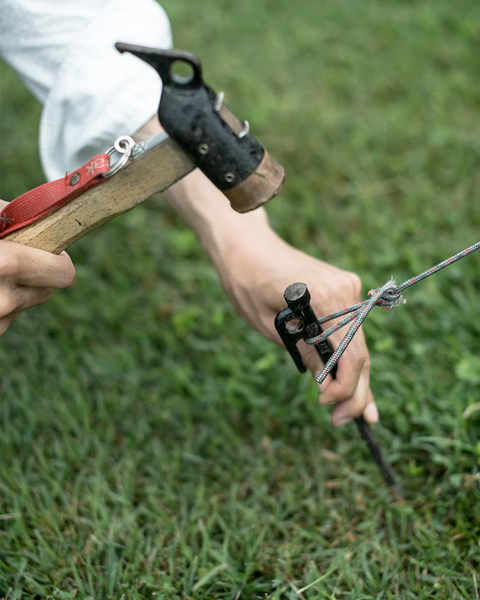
<point>156,171</point>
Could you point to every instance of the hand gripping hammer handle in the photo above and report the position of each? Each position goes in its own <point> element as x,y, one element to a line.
<point>299,309</point>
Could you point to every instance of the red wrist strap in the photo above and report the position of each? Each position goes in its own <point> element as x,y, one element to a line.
<point>36,203</point>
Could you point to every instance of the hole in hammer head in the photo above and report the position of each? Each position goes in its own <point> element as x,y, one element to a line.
<point>181,72</point>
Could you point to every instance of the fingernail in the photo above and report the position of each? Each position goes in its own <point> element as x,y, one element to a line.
<point>342,421</point>
<point>371,413</point>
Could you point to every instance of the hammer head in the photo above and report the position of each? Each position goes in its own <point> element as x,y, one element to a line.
<point>218,143</point>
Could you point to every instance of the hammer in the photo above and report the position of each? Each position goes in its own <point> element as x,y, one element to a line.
<point>200,131</point>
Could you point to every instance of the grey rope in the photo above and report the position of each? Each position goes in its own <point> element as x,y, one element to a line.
<point>388,296</point>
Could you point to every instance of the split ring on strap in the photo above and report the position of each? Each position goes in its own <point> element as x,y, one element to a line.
<point>123,145</point>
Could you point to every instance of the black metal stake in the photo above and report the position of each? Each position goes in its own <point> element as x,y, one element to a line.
<point>298,308</point>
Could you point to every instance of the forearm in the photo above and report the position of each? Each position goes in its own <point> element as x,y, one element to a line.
<point>255,266</point>
<point>221,231</point>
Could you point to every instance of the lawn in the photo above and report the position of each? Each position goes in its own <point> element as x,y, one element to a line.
<point>152,446</point>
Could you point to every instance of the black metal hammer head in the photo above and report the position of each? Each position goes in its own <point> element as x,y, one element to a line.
<point>216,140</point>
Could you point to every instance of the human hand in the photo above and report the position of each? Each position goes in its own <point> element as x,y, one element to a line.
<point>256,266</point>
<point>255,277</point>
<point>27,276</point>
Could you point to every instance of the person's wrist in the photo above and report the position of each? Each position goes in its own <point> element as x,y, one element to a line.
<point>238,239</point>
<point>221,231</point>
<point>245,256</point>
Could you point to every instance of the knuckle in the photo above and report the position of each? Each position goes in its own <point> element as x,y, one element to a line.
<point>322,297</point>
<point>353,284</point>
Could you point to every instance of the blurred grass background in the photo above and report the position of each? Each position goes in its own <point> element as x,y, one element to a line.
<point>141,461</point>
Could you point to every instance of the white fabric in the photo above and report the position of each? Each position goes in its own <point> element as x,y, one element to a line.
<point>64,52</point>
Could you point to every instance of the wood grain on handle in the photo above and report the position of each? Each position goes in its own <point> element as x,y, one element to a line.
<point>155,172</point>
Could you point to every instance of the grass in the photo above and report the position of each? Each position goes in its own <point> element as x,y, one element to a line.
<point>140,460</point>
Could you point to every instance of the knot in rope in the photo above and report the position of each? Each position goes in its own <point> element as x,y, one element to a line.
<point>388,296</point>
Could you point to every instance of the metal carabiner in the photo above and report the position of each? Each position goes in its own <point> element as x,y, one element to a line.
<point>123,145</point>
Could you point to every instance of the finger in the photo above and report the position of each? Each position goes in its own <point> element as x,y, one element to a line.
<point>349,409</point>
<point>371,412</point>
<point>314,363</point>
<point>35,268</point>
<point>344,385</point>
<point>20,298</point>
<point>29,296</point>
<point>349,370</point>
